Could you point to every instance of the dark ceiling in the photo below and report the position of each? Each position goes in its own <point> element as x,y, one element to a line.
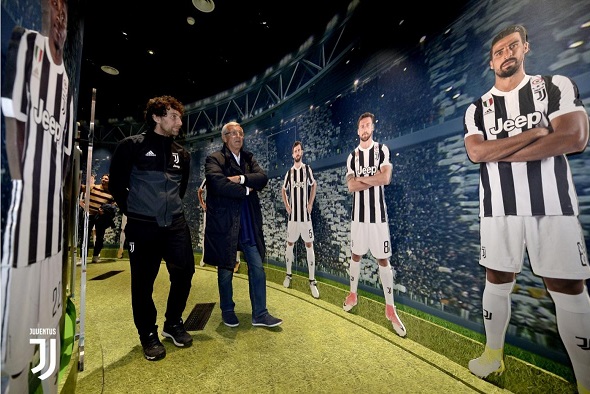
<point>238,40</point>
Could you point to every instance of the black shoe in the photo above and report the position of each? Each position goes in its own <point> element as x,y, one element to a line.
<point>230,319</point>
<point>266,321</point>
<point>178,334</point>
<point>153,349</point>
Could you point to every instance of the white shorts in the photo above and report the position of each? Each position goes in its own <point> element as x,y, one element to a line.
<point>555,245</point>
<point>299,229</point>
<point>374,237</point>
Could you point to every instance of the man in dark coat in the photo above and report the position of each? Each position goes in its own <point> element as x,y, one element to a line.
<point>234,222</point>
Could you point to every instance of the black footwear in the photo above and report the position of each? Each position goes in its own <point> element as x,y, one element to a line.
<point>153,349</point>
<point>267,321</point>
<point>178,334</point>
<point>230,319</point>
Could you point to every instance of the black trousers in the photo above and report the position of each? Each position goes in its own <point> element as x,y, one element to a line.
<point>148,245</point>
<point>100,228</point>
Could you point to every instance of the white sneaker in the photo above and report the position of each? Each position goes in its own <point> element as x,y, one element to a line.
<point>202,263</point>
<point>96,259</point>
<point>490,362</point>
<point>287,281</point>
<point>398,326</point>
<point>313,286</point>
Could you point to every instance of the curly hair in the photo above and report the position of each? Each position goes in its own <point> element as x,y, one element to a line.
<point>159,106</point>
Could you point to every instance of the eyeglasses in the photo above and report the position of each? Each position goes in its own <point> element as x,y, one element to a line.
<point>173,116</point>
<point>235,133</point>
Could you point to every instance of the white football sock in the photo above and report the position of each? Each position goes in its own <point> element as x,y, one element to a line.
<point>289,258</point>
<point>386,276</point>
<point>496,312</point>
<point>355,272</point>
<point>573,323</point>
<point>311,262</point>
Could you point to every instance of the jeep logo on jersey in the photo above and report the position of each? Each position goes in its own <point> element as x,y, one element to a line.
<point>526,122</point>
<point>45,119</point>
<point>363,171</point>
<point>300,184</point>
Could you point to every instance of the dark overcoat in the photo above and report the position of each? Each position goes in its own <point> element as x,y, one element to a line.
<point>224,204</point>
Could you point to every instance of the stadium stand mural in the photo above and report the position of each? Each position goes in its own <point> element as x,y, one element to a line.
<point>419,101</point>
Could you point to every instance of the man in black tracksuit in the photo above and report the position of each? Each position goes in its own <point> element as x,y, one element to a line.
<point>149,176</point>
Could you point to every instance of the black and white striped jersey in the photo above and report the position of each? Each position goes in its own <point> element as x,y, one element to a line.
<point>297,183</point>
<point>535,188</point>
<point>368,206</point>
<point>37,92</point>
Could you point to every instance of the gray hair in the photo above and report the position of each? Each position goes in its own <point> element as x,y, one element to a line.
<point>227,126</point>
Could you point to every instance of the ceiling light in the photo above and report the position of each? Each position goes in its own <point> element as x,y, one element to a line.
<point>204,5</point>
<point>110,70</point>
<point>190,20</point>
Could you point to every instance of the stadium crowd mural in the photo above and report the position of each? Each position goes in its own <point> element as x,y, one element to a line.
<point>433,197</point>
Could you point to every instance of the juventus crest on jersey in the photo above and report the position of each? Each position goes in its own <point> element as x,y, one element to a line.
<point>549,187</point>
<point>368,206</point>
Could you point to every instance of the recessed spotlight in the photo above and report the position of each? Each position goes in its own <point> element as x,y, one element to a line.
<point>204,5</point>
<point>190,20</point>
<point>110,70</point>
